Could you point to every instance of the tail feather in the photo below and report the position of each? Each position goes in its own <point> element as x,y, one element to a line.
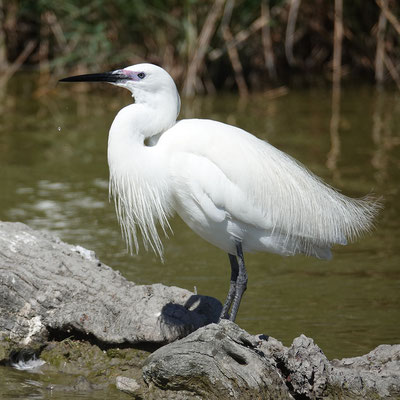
<point>309,208</point>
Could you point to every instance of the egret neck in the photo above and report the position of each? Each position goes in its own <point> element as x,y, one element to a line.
<point>138,168</point>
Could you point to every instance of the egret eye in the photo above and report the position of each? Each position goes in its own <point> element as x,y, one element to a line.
<point>141,75</point>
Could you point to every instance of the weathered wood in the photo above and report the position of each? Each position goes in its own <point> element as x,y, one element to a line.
<point>50,287</point>
<point>222,361</point>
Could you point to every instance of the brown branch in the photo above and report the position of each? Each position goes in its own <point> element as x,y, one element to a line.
<point>337,42</point>
<point>389,15</point>
<point>202,46</point>
<point>44,50</point>
<point>334,152</point>
<point>236,64</point>
<point>290,29</point>
<point>13,68</point>
<point>232,51</point>
<point>239,38</point>
<point>56,28</point>
<point>246,33</point>
<point>392,70</point>
<point>267,41</point>
<point>380,48</point>
<point>3,48</point>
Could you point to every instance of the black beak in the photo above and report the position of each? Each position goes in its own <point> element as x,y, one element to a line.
<point>112,77</point>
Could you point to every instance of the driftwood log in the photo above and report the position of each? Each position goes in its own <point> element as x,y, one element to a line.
<point>224,361</point>
<point>50,287</point>
<point>55,295</point>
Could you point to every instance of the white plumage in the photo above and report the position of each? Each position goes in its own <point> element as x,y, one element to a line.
<point>234,190</point>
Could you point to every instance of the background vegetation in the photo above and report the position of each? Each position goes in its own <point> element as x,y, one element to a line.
<point>205,44</point>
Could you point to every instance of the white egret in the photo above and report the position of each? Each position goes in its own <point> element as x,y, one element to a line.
<point>234,190</point>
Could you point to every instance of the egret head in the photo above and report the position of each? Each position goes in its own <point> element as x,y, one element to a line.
<point>148,83</point>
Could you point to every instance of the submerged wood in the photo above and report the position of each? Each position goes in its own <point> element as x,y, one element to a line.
<point>52,290</point>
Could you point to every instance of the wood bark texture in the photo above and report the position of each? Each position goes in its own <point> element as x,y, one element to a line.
<point>48,287</point>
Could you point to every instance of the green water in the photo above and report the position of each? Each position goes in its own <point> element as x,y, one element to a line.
<point>54,177</point>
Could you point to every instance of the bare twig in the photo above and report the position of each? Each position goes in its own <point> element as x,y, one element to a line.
<point>56,28</point>
<point>334,152</point>
<point>385,59</point>
<point>13,68</point>
<point>239,38</point>
<point>44,50</point>
<point>337,42</point>
<point>267,41</point>
<point>202,46</point>
<point>232,51</point>
<point>392,70</point>
<point>3,51</point>
<point>380,48</point>
<point>389,15</point>
<point>276,92</point>
<point>290,28</point>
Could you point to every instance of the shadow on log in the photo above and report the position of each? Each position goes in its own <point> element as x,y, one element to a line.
<point>67,306</point>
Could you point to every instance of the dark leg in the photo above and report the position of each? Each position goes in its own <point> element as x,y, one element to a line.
<point>232,287</point>
<point>241,282</point>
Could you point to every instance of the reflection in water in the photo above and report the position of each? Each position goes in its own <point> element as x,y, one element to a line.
<point>334,152</point>
<point>336,87</point>
<point>383,135</point>
<point>58,181</point>
<point>379,161</point>
<point>43,205</point>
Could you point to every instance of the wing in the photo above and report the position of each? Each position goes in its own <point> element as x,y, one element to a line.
<point>254,181</point>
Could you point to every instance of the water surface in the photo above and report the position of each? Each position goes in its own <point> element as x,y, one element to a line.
<point>54,177</point>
